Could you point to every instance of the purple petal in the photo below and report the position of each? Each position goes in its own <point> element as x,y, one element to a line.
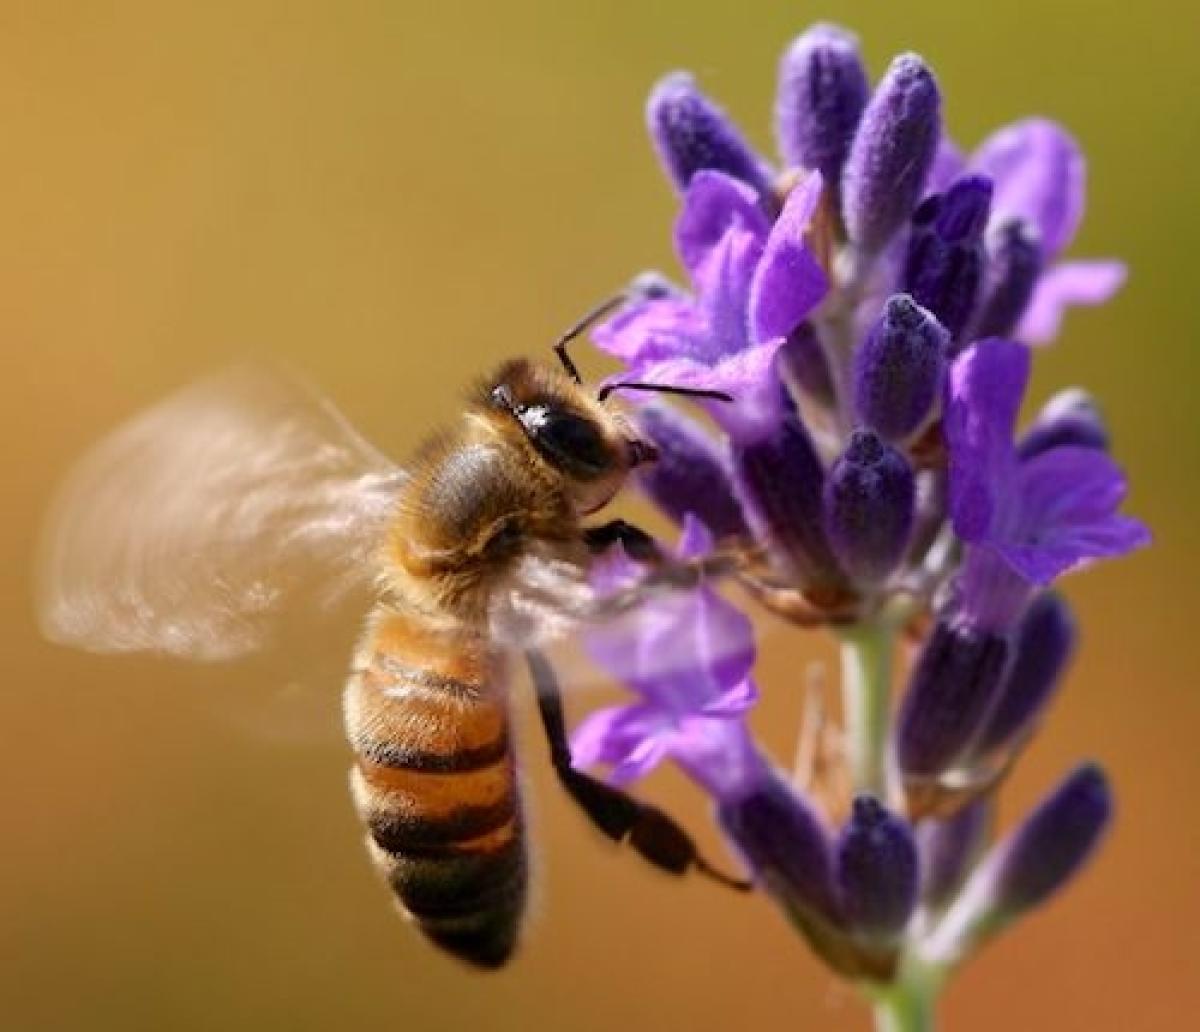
<point>1068,502</point>
<point>719,754</point>
<point>985,388</point>
<point>1065,285</point>
<point>750,376</point>
<point>789,281</point>
<point>1039,174</point>
<point>715,202</point>
<point>723,290</point>
<point>948,165</point>
<point>650,331</point>
<point>630,739</point>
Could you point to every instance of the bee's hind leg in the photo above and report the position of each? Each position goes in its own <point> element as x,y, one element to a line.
<point>653,834</point>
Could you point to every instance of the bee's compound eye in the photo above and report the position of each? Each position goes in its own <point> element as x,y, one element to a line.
<point>568,440</point>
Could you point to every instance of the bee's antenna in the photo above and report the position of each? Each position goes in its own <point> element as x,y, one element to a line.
<point>661,388</point>
<point>582,326</point>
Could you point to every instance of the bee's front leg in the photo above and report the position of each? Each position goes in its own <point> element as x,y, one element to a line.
<point>657,837</point>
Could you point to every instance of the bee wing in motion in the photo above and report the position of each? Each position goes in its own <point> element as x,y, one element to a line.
<point>194,527</point>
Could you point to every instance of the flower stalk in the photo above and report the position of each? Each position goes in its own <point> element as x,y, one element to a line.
<point>866,651</point>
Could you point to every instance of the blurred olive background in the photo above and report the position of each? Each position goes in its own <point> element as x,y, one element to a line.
<point>389,197</point>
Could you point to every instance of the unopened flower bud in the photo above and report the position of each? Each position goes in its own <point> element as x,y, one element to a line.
<point>891,155</point>
<point>944,265</point>
<point>1070,418</point>
<point>952,686</point>
<point>823,90</point>
<point>691,474</point>
<point>898,369</point>
<point>1053,842</point>
<point>779,482</point>
<point>1036,860</point>
<point>692,134</point>
<point>1013,264</point>
<point>877,871</point>
<point>1041,649</point>
<point>870,495</point>
<point>784,843</point>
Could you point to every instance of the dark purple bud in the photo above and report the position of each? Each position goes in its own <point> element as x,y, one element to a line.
<point>823,90</point>
<point>898,369</point>
<point>952,686</point>
<point>692,134</point>
<point>892,153</point>
<point>944,265</point>
<point>870,496</point>
<point>779,481</point>
<point>785,844</point>
<point>877,871</point>
<point>803,363</point>
<point>1013,265</point>
<point>1041,649</point>
<point>691,474</point>
<point>949,849</point>
<point>1053,843</point>
<point>1071,419</point>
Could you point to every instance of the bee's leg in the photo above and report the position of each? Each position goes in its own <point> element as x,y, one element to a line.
<point>653,834</point>
<point>638,545</point>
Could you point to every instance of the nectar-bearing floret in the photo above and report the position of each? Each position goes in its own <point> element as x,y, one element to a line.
<point>870,308</point>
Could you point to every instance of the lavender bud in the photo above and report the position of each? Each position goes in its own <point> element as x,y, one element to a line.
<point>869,500</point>
<point>1070,418</point>
<point>802,361</point>
<point>949,849</point>
<point>877,871</point>
<point>892,153</point>
<point>784,843</point>
<point>779,481</point>
<point>690,475</point>
<point>823,90</point>
<point>952,686</point>
<point>1028,867</point>
<point>898,369</point>
<point>1014,263</point>
<point>1041,649</point>
<point>691,134</point>
<point>1053,842</point>
<point>944,265</point>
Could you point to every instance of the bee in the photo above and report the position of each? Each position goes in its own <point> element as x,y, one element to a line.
<point>193,528</point>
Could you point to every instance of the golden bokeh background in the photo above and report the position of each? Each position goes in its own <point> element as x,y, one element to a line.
<point>390,196</point>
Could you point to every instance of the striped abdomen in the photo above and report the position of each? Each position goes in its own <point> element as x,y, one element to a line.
<point>435,784</point>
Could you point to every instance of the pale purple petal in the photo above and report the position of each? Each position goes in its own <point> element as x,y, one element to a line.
<point>1068,514</point>
<point>750,376</point>
<point>720,754</point>
<point>1064,285</point>
<point>984,392</point>
<point>789,281</point>
<point>948,165</point>
<point>630,739</point>
<point>650,331</point>
<point>715,202</point>
<point>723,290</point>
<point>1039,174</point>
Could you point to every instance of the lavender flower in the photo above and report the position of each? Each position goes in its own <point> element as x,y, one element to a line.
<point>859,305</point>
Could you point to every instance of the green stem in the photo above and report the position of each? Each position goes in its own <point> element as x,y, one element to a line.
<point>866,688</point>
<point>906,1006</point>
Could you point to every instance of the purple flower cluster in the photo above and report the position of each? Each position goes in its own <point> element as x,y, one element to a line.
<point>870,308</point>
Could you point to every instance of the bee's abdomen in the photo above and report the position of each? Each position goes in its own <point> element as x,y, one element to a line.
<point>434,783</point>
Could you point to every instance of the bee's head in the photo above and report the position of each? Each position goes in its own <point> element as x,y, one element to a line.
<point>590,446</point>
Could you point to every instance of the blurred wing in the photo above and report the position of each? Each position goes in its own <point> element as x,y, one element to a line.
<point>194,527</point>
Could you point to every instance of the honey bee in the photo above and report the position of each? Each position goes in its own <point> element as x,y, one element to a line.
<point>192,528</point>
